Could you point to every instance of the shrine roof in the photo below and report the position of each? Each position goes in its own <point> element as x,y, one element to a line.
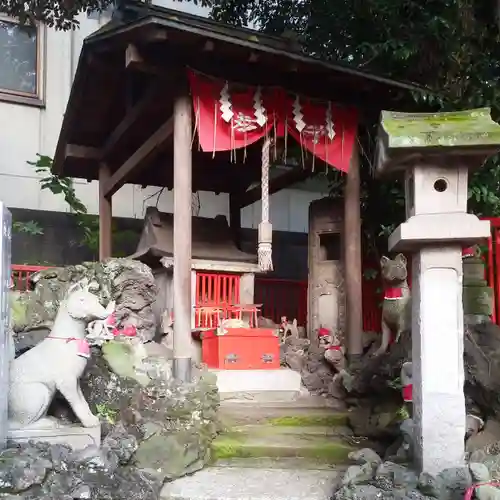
<point>150,48</point>
<point>239,36</point>
<point>211,240</point>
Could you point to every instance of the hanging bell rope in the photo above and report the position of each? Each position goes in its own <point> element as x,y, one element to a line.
<point>265,248</point>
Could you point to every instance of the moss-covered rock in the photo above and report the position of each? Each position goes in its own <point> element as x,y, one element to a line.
<point>174,423</point>
<point>128,282</point>
<point>177,423</point>
<point>18,311</point>
<point>120,356</point>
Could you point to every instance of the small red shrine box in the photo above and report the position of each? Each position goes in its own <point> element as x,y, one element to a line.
<point>241,349</point>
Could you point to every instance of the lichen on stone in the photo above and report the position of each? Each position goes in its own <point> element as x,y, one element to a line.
<point>473,127</point>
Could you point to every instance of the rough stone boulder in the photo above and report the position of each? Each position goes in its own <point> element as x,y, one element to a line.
<point>128,282</point>
<point>37,471</point>
<point>377,378</point>
<point>482,367</point>
<point>173,423</point>
<point>154,431</point>
<point>371,478</point>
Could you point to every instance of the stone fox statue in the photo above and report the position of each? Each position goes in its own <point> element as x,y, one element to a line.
<point>396,308</point>
<point>56,363</point>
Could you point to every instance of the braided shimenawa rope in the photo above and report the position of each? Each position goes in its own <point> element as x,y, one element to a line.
<point>265,250</point>
<point>265,180</point>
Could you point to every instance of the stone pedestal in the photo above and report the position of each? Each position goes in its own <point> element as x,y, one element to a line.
<point>438,369</point>
<point>76,436</point>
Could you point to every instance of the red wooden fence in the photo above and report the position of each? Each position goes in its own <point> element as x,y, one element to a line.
<point>21,276</point>
<point>279,297</point>
<point>282,298</point>
<point>493,265</point>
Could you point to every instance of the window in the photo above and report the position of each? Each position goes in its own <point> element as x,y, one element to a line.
<point>20,69</point>
<point>329,246</point>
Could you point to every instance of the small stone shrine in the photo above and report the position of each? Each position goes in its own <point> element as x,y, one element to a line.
<point>436,152</point>
<point>326,300</point>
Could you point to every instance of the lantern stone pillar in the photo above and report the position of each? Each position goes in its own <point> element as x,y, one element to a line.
<point>435,152</point>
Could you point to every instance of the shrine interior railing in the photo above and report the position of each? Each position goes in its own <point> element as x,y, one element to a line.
<point>214,293</point>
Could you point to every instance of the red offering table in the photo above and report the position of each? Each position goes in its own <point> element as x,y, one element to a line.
<point>241,349</point>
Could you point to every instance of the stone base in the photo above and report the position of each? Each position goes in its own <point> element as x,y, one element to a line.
<point>76,436</point>
<point>262,385</point>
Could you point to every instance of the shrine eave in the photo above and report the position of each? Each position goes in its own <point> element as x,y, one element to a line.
<point>129,72</point>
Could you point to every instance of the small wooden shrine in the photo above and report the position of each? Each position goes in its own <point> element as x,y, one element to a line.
<point>221,274</point>
<point>168,99</point>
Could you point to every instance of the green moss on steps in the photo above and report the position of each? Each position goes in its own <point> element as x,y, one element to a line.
<point>309,420</point>
<point>328,451</point>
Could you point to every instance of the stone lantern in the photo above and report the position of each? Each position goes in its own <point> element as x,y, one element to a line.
<point>435,152</point>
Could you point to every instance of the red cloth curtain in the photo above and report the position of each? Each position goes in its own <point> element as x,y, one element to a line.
<point>230,116</point>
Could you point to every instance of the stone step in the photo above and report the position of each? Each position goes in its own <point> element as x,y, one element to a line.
<point>291,430</point>
<point>299,413</point>
<point>252,483</point>
<point>253,441</point>
<point>294,463</point>
<point>299,401</point>
<point>258,386</point>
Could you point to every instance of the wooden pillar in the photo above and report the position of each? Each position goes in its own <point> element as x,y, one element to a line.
<point>105,215</point>
<point>353,261</point>
<point>182,237</point>
<point>235,217</point>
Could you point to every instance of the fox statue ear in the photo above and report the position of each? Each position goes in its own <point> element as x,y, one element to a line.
<point>401,259</point>
<point>384,260</point>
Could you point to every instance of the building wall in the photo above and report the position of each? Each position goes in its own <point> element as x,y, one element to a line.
<point>29,130</point>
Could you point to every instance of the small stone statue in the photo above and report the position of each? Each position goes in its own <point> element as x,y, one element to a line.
<point>407,428</point>
<point>57,363</point>
<point>396,308</point>
<point>473,425</point>
<point>334,351</point>
<point>288,330</point>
